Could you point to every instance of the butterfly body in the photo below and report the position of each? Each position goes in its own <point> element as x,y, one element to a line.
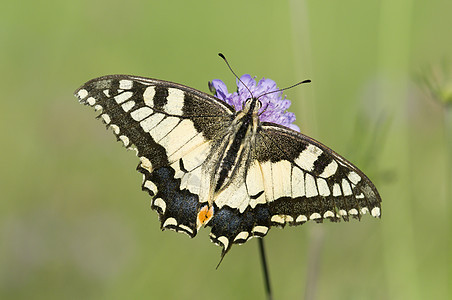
<point>204,163</point>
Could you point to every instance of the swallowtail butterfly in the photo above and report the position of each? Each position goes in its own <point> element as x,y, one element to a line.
<point>204,163</point>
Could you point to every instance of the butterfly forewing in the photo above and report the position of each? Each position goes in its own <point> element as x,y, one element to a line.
<point>281,176</point>
<point>172,127</point>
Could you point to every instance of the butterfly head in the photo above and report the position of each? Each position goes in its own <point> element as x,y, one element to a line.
<point>252,106</point>
<point>251,96</point>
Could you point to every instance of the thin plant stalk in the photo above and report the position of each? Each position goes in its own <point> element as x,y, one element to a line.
<point>448,158</point>
<point>268,290</point>
<point>448,138</point>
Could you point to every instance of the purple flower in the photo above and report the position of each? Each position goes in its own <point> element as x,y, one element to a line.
<point>275,107</point>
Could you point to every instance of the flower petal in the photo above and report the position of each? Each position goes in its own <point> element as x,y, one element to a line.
<point>274,107</point>
<point>266,85</point>
<point>221,90</point>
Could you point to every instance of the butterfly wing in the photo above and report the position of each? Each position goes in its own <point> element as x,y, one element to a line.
<point>287,177</point>
<point>172,128</point>
<point>291,179</point>
<point>316,182</point>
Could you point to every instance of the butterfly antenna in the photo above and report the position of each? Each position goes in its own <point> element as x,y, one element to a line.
<point>227,63</point>
<point>280,90</point>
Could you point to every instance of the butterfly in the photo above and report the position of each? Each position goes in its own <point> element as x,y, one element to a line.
<point>204,163</point>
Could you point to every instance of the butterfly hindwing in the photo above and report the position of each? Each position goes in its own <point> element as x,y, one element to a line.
<point>172,128</point>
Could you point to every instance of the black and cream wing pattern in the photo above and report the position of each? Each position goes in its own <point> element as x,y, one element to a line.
<point>206,164</point>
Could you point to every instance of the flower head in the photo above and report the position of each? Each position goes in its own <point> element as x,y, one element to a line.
<point>274,107</point>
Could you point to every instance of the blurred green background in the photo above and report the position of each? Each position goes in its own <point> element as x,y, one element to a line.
<point>74,222</point>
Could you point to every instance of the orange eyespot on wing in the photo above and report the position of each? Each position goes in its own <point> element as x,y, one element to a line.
<point>204,215</point>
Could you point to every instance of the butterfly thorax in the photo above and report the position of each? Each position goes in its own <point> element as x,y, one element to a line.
<point>236,146</point>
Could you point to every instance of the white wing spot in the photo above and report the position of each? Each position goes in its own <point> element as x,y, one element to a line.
<point>329,170</point>
<point>148,96</point>
<point>278,219</point>
<point>323,187</point>
<point>197,142</point>
<point>288,219</point>
<point>125,84</point>
<point>115,128</point>
<point>353,211</point>
<point>191,181</point>
<point>307,157</point>
<point>224,240</point>
<point>267,175</point>
<point>141,113</point>
<point>311,188</point>
<point>106,93</point>
<point>91,101</point>
<point>234,196</point>
<point>106,118</point>
<point>336,190</point>
<point>160,203</point>
<point>193,156</point>
<point>301,218</point>
<point>281,184</point>
<point>125,140</point>
<point>128,105</point>
<point>375,212</point>
<point>315,216</point>
<point>343,212</point>
<point>298,185</point>
<point>123,97</point>
<point>360,196</point>
<point>170,222</point>
<point>183,133</point>
<point>328,213</point>
<point>146,164</point>
<point>163,128</point>
<point>346,187</point>
<point>149,123</point>
<point>354,177</point>
<point>175,102</point>
<point>82,94</point>
<point>241,236</point>
<point>260,229</point>
<point>97,107</point>
<point>149,185</point>
<point>255,183</point>
<point>364,210</point>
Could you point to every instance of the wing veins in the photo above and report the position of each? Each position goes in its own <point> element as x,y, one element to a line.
<point>185,143</point>
<point>167,114</point>
<point>283,152</point>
